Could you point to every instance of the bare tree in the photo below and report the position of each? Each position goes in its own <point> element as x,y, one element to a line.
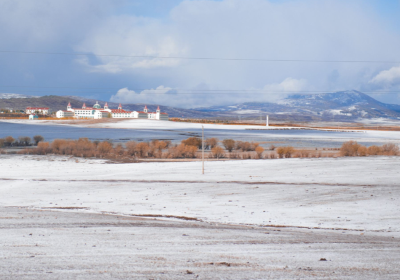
<point>229,144</point>
<point>217,152</point>
<point>37,139</point>
<point>24,140</point>
<point>9,140</point>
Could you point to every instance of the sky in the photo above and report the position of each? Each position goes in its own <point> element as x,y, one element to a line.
<point>117,50</point>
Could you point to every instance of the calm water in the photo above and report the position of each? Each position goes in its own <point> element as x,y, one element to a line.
<point>297,138</point>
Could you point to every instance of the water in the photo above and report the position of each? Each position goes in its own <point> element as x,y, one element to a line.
<point>296,138</point>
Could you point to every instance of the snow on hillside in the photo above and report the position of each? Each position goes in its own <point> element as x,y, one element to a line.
<point>15,95</point>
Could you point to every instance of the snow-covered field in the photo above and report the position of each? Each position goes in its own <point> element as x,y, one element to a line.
<point>251,219</point>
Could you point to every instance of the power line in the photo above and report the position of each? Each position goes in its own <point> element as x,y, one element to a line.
<point>192,90</point>
<point>176,91</point>
<point>203,58</point>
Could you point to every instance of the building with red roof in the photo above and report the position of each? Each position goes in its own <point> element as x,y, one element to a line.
<point>96,112</point>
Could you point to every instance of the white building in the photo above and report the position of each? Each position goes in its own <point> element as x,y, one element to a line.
<point>38,110</point>
<point>157,115</point>
<point>64,114</point>
<point>96,112</point>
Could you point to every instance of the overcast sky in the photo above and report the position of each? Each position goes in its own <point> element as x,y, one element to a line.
<point>365,30</point>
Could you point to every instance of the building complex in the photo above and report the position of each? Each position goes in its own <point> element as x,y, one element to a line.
<point>37,110</point>
<point>96,112</point>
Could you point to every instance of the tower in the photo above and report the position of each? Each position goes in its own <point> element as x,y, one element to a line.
<point>69,106</point>
<point>84,106</point>
<point>97,105</point>
<point>158,110</point>
<point>145,109</point>
<point>119,106</point>
<point>106,106</point>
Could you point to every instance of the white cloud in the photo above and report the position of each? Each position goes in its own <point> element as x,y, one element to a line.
<point>203,96</point>
<point>387,78</point>
<point>151,96</point>
<point>308,29</point>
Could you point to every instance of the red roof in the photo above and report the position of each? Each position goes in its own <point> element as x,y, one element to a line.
<point>88,109</point>
<point>119,111</point>
<point>142,112</point>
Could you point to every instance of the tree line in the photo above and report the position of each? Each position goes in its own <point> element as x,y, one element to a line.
<point>21,141</point>
<point>187,148</point>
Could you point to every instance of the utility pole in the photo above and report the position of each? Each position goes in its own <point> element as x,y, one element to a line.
<point>202,146</point>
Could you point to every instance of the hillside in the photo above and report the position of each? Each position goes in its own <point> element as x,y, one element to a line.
<point>55,103</point>
<point>340,106</point>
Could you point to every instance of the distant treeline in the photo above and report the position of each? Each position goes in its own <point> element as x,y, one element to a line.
<point>21,141</point>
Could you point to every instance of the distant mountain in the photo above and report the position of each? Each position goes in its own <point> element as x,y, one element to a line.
<point>55,103</point>
<point>342,106</point>
<point>338,106</point>
<point>15,95</point>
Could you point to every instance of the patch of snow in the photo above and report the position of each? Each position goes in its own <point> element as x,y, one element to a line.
<point>15,95</point>
<point>247,112</point>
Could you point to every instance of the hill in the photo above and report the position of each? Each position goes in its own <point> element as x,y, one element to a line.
<point>55,103</point>
<point>340,106</point>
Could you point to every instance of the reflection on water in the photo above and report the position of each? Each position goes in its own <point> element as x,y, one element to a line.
<point>296,138</point>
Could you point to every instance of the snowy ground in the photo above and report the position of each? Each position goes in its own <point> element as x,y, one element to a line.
<point>241,220</point>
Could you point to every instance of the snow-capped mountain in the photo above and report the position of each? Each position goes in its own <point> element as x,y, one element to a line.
<point>15,95</point>
<point>343,105</point>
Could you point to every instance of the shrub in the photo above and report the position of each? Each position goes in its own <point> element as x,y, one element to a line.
<point>43,148</point>
<point>57,144</point>
<point>246,146</point>
<point>1,142</point>
<point>131,148</point>
<point>210,143</point>
<point>259,151</point>
<point>285,152</point>
<point>303,153</point>
<point>272,148</point>
<point>229,144</point>
<point>193,141</point>
<point>182,151</point>
<point>362,151</point>
<point>217,152</point>
<point>142,149</point>
<point>119,150</point>
<point>374,150</point>
<point>349,149</point>
<point>234,155</point>
<point>390,149</point>
<point>24,140</point>
<point>104,148</point>
<point>8,141</point>
<point>37,139</point>
<point>272,156</point>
